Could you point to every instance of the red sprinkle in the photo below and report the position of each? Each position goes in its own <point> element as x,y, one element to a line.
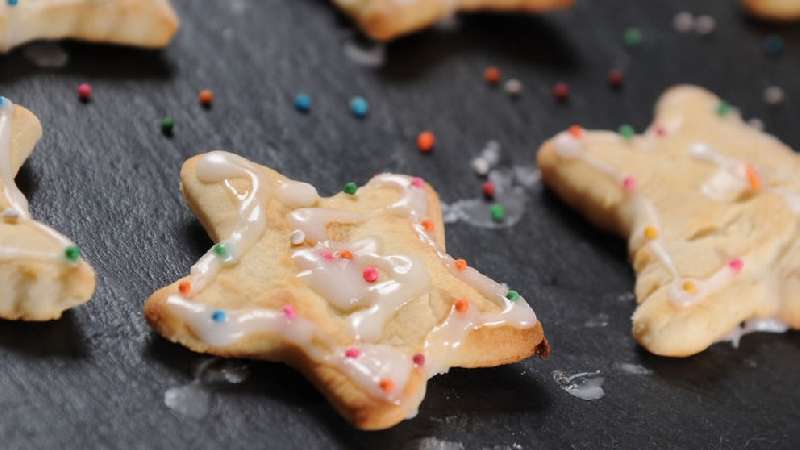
<point>427,224</point>
<point>736,265</point>
<point>85,92</point>
<point>386,385</point>
<point>206,97</point>
<point>417,182</point>
<point>561,91</point>
<point>461,264</point>
<point>615,78</point>
<point>418,359</point>
<point>462,305</point>
<point>185,288</point>
<point>576,131</point>
<point>425,141</point>
<point>352,353</point>
<point>370,274</point>
<point>492,75</point>
<point>629,183</point>
<point>488,189</point>
<point>327,255</point>
<point>289,312</point>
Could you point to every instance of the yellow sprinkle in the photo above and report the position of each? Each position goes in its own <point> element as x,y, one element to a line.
<point>651,233</point>
<point>689,287</point>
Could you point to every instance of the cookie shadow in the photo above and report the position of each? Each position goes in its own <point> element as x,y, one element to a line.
<point>89,61</point>
<point>56,338</point>
<point>27,182</point>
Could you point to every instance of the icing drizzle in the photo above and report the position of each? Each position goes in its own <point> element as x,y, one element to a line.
<point>355,278</point>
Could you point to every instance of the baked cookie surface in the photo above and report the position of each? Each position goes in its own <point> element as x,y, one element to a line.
<point>387,19</point>
<point>142,23</point>
<point>41,272</point>
<point>711,208</point>
<point>777,10</point>
<point>355,290</point>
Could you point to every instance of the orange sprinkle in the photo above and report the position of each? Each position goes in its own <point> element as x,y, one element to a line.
<point>206,97</point>
<point>425,141</point>
<point>689,286</point>
<point>492,75</point>
<point>461,264</point>
<point>462,305</point>
<point>185,288</point>
<point>753,178</point>
<point>650,233</point>
<point>386,385</point>
<point>346,254</point>
<point>576,131</point>
<point>427,224</point>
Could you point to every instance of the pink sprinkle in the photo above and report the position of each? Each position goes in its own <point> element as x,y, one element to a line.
<point>289,311</point>
<point>417,182</point>
<point>370,274</point>
<point>327,255</point>
<point>629,183</point>
<point>352,353</point>
<point>660,131</point>
<point>418,359</point>
<point>736,265</point>
<point>85,92</point>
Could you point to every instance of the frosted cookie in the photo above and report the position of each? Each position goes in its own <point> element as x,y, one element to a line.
<point>711,209</point>
<point>387,19</point>
<point>355,290</point>
<point>41,272</point>
<point>142,23</point>
<point>778,10</point>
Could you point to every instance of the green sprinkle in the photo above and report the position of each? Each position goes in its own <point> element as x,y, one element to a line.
<point>724,108</point>
<point>167,125</point>
<point>350,188</point>
<point>220,250</point>
<point>627,132</point>
<point>512,295</point>
<point>632,37</point>
<point>498,212</point>
<point>72,253</point>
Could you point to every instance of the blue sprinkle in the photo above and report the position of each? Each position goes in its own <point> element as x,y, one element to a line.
<point>12,2</point>
<point>2,101</point>
<point>359,106</point>
<point>773,45</point>
<point>302,102</point>
<point>218,316</point>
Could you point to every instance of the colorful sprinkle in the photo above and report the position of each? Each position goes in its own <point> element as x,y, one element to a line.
<point>461,264</point>
<point>629,184</point>
<point>736,265</point>
<point>359,107</point>
<point>85,92</point>
<point>576,131</point>
<point>12,2</point>
<point>497,212</point>
<point>297,237</point>
<point>683,22</point>
<point>512,295</point>
<point>773,95</point>
<point>513,87</point>
<point>386,385</point>
<point>370,274</point>
<point>218,316</point>
<point>168,126</point>
<point>346,254</point>
<point>632,37</point>
<point>492,75</point>
<point>302,103</point>
<point>350,188</point>
<point>753,179</point>
<point>627,132</point>
<point>615,78</point>
<point>724,108</point>
<point>461,305</point>
<point>221,250</point>
<point>3,101</point>
<point>427,225</point>
<point>650,233</point>
<point>417,182</point>
<point>488,189</point>
<point>561,91</point>
<point>352,353</point>
<point>705,25</point>
<point>689,286</point>
<point>206,98</point>
<point>289,312</point>
<point>773,45</point>
<point>418,359</point>
<point>425,141</point>
<point>72,253</point>
<point>660,131</point>
<point>481,166</point>
<point>185,288</point>
<point>327,255</point>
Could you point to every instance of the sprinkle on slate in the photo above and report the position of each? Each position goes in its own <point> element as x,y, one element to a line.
<point>561,91</point>
<point>350,188</point>
<point>615,78</point>
<point>492,75</point>
<point>627,132</point>
<point>425,141</point>
<point>773,45</point>
<point>206,98</point>
<point>72,253</point>
<point>497,212</point>
<point>302,103</point>
<point>218,316</point>
<point>724,108</point>
<point>705,25</point>
<point>359,107</point>
<point>488,189</point>
<point>632,37</point>
<point>168,126</point>
<point>513,87</point>
<point>683,22</point>
<point>512,295</point>
<point>85,92</point>
<point>773,95</point>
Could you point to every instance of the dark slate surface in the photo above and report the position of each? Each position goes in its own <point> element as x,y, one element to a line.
<point>105,175</point>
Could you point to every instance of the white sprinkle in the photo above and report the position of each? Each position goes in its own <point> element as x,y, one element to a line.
<point>705,25</point>
<point>683,22</point>
<point>481,166</point>
<point>773,95</point>
<point>758,124</point>
<point>11,216</point>
<point>297,237</point>
<point>513,87</point>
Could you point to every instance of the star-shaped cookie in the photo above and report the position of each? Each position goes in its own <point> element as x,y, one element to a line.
<point>355,290</point>
<point>41,271</point>
<point>387,19</point>
<point>711,208</point>
<point>778,10</point>
<point>141,23</point>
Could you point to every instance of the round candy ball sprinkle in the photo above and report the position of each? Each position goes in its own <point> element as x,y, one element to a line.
<point>206,98</point>
<point>418,359</point>
<point>359,107</point>
<point>350,188</point>
<point>85,92</point>
<point>683,22</point>
<point>705,25</point>
<point>386,385</point>
<point>352,353</point>
<point>289,312</point>
<point>773,45</point>
<point>488,188</point>
<point>218,316</point>
<point>773,95</point>
<point>220,250</point>
<point>627,132</point>
<point>512,295</point>
<point>492,75</point>
<point>480,166</point>
<point>12,2</point>
<point>461,305</point>
<point>302,103</point>
<point>72,253</point>
<point>615,78</point>
<point>736,265</point>
<point>370,274</point>
<point>425,141</point>
<point>461,264</point>
<point>168,126</point>
<point>297,237</point>
<point>561,91</point>
<point>724,108</point>
<point>756,123</point>
<point>632,37</point>
<point>497,212</point>
<point>513,87</point>
<point>185,288</point>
